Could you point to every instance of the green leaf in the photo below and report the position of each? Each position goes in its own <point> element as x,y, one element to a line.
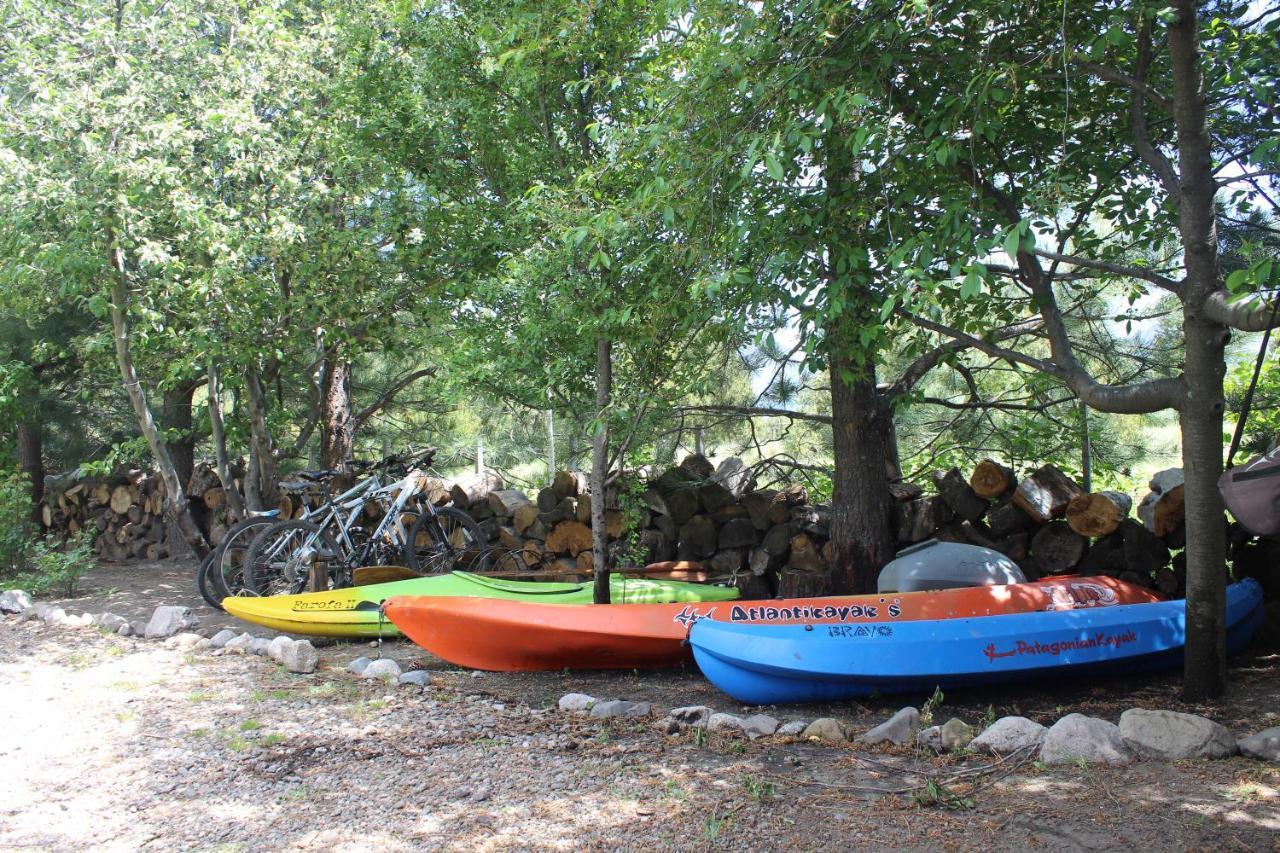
<point>775,168</point>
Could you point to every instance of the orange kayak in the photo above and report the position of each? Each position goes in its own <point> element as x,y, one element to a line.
<point>512,636</point>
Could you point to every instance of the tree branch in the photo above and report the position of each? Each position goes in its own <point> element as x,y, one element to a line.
<point>1117,269</point>
<point>1249,314</point>
<point>390,393</point>
<point>758,411</point>
<point>1115,75</point>
<point>1154,158</point>
<point>929,360</point>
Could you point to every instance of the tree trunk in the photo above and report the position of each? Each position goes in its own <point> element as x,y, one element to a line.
<point>861,536</point>
<point>261,447</point>
<point>31,461</point>
<point>176,414</point>
<point>234,499</point>
<point>599,474</point>
<point>1201,412</point>
<point>177,511</point>
<point>337,436</point>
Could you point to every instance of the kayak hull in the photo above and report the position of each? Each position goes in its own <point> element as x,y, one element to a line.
<point>784,664</point>
<point>353,612</point>
<point>523,636</point>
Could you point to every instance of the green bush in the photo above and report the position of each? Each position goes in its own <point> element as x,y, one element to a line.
<point>55,568</point>
<point>16,534</point>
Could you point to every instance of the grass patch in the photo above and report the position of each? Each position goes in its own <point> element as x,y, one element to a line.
<point>250,725</point>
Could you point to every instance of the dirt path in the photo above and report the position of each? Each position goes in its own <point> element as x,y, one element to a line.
<point>114,743</point>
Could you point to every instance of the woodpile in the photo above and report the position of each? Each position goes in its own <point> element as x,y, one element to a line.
<point>772,541</point>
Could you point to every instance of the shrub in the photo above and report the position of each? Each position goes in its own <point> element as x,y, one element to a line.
<point>53,567</point>
<point>16,534</point>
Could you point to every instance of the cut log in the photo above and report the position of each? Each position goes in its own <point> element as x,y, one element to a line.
<point>215,497</point>
<point>738,533</point>
<point>1015,546</point>
<point>656,546</point>
<point>46,515</point>
<point>582,509</point>
<point>793,583</point>
<point>757,506</point>
<point>508,537</point>
<point>569,484</point>
<point>713,496</point>
<point>1007,518</point>
<point>992,480</point>
<point>613,520</point>
<point>793,495</point>
<point>1099,513</point>
<point>1046,493</point>
<point>569,537</point>
<point>474,488</point>
<point>134,514</point>
<point>100,494</point>
<point>1057,548</point>
<point>953,489</point>
<point>805,554</point>
<point>815,520</point>
<point>1162,509</point>
<point>697,465</point>
<point>736,476</point>
<point>777,541</point>
<point>916,521</point>
<point>761,562</point>
<point>726,562</point>
<point>698,538</point>
<point>121,500</point>
<point>903,492</point>
<point>1144,551</point>
<point>524,518</point>
<point>586,562</point>
<point>505,502</point>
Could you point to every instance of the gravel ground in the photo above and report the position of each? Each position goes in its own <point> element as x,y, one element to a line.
<point>114,743</point>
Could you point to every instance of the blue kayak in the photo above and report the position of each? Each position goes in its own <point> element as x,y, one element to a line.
<point>764,664</point>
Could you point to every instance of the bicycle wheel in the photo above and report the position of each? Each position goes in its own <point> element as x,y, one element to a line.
<point>227,578</point>
<point>390,547</point>
<point>446,540</point>
<point>205,582</point>
<point>280,559</point>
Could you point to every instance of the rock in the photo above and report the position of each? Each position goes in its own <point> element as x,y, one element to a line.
<point>384,668</point>
<point>278,647</point>
<point>791,729</point>
<point>639,709</point>
<point>34,612</point>
<point>359,665</point>
<point>240,645</point>
<point>138,629</point>
<point>1009,734</point>
<point>1170,735</point>
<point>221,638</point>
<point>168,620</point>
<point>1264,746</point>
<point>202,645</point>
<point>14,601</point>
<point>260,646</point>
<point>185,640</point>
<point>955,734</point>
<point>930,738</point>
<point>898,729</point>
<point>84,620</point>
<point>576,702</point>
<point>692,715</point>
<point>418,677</point>
<point>1079,738</point>
<point>620,708</point>
<point>668,726</point>
<point>826,728</point>
<point>54,616</point>
<point>302,657</point>
<point>724,723</point>
<point>759,725</point>
<point>125,630</point>
<point>110,622</point>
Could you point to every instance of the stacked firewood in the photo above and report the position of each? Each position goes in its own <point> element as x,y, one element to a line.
<point>1049,525</point>
<point>122,511</point>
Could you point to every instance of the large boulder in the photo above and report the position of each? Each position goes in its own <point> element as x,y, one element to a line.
<point>168,620</point>
<point>1009,734</point>
<point>1169,735</point>
<point>1264,746</point>
<point>302,657</point>
<point>825,728</point>
<point>900,729</point>
<point>1079,738</point>
<point>14,601</point>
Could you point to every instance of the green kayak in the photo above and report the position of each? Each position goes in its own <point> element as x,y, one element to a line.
<point>353,612</point>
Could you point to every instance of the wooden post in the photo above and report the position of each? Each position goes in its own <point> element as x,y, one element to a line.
<point>1086,450</point>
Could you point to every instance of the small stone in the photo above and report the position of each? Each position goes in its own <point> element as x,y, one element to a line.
<point>724,723</point>
<point>638,709</point>
<point>301,657</point>
<point>138,629</point>
<point>14,601</point>
<point>1264,746</point>
<point>125,630</point>
<point>1169,735</point>
<point>260,646</point>
<point>759,725</point>
<point>930,738</point>
<point>202,645</point>
<point>223,637</point>
<point>1079,738</point>
<point>359,665</point>
<point>955,734</point>
<point>792,729</point>
<point>898,729</point>
<point>278,646</point>
<point>110,622</point>
<point>825,728</point>
<point>576,702</point>
<point>168,620</point>
<point>692,715</point>
<point>384,668</point>
<point>475,673</point>
<point>84,620</point>
<point>1009,734</point>
<point>240,645</point>
<point>54,616</point>
<point>417,677</point>
<point>185,640</point>
<point>668,726</point>
<point>611,708</point>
